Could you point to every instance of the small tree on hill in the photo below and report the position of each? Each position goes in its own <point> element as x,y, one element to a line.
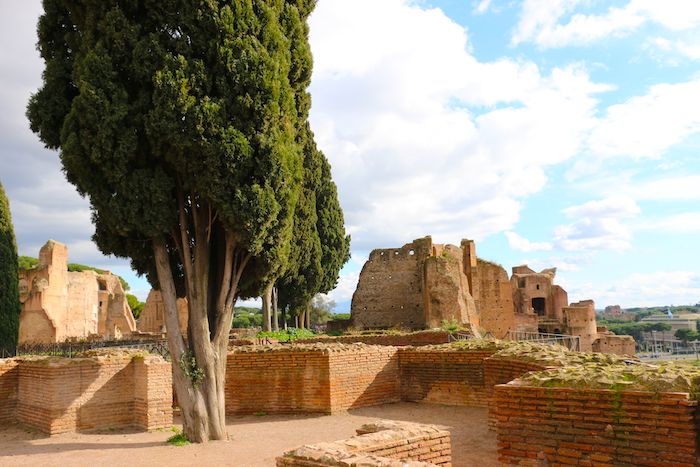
<point>180,121</point>
<point>9,280</point>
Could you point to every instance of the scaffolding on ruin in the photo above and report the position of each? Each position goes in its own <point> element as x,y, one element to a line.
<point>570,342</point>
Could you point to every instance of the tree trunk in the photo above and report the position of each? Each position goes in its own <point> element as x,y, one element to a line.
<point>308,316</point>
<point>284,317</point>
<point>267,308</point>
<point>275,315</point>
<point>207,253</point>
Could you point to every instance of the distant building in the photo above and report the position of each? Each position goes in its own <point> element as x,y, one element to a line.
<point>58,305</point>
<point>152,318</point>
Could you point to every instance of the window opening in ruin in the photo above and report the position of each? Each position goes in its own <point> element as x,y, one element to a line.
<point>396,252</point>
<point>102,285</point>
<point>538,306</point>
<point>411,252</point>
<point>521,282</point>
<point>538,286</point>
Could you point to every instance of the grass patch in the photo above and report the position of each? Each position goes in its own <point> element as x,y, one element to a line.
<point>178,439</point>
<point>260,414</point>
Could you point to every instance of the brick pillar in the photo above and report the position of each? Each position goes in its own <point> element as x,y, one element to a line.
<point>153,393</point>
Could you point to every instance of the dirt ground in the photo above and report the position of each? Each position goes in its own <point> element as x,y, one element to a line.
<point>255,440</point>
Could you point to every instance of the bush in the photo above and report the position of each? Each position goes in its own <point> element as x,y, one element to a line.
<point>291,334</point>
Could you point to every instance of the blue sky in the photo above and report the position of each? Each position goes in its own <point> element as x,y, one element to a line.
<point>553,132</point>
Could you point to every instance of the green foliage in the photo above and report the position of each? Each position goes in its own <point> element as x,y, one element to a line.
<point>321,309</point>
<point>342,316</point>
<point>204,99</point>
<point>291,334</point>
<point>687,335</point>
<point>9,278</point>
<point>247,317</point>
<point>188,365</point>
<point>135,305</point>
<point>636,329</point>
<point>450,326</point>
<point>319,247</point>
<point>178,439</point>
<point>27,262</point>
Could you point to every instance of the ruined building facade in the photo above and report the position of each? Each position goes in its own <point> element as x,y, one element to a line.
<point>152,317</point>
<point>422,284</point>
<point>58,305</point>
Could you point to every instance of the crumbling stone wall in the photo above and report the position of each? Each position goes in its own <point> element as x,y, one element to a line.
<point>494,299</point>
<point>580,321</point>
<point>607,342</point>
<point>535,294</point>
<point>152,317</point>
<point>390,291</point>
<point>58,305</point>
<point>423,284</point>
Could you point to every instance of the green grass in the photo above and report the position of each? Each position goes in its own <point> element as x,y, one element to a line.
<point>291,334</point>
<point>178,439</point>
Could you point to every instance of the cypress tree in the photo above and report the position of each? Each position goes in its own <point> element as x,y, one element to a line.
<point>181,122</point>
<point>9,280</point>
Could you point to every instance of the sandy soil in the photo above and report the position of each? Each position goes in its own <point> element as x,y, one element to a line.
<point>255,441</point>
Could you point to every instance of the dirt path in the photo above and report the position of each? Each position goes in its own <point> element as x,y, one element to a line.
<point>256,441</point>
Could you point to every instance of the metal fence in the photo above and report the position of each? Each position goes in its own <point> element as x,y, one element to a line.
<point>570,342</point>
<point>75,349</point>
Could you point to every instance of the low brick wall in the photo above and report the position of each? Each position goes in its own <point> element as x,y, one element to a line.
<point>59,395</point>
<point>9,379</point>
<point>378,444</point>
<point>363,377</point>
<point>561,426</point>
<point>419,338</point>
<point>310,378</point>
<point>448,377</point>
<point>278,380</point>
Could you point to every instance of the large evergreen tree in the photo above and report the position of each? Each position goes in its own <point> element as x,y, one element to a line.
<point>9,280</point>
<point>180,121</point>
<point>319,247</point>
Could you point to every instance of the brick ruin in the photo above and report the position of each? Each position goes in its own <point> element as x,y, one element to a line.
<point>542,306</point>
<point>58,305</point>
<point>422,284</point>
<point>61,395</point>
<point>152,317</point>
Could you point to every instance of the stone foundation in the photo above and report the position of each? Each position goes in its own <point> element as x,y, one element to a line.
<point>59,395</point>
<point>419,338</point>
<point>379,444</point>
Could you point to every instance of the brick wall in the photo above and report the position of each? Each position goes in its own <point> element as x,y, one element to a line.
<point>443,377</point>
<point>379,444</point>
<point>9,374</point>
<point>310,378</point>
<point>364,376</point>
<point>397,340</point>
<point>278,380</point>
<point>561,426</point>
<point>58,395</point>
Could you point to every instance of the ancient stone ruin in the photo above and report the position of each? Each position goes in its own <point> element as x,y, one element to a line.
<point>58,305</point>
<point>422,284</point>
<point>152,318</point>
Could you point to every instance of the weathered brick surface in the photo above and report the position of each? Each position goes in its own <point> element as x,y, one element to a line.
<point>322,379</point>
<point>9,378</point>
<point>561,426</point>
<point>382,444</point>
<point>63,395</point>
<point>396,340</point>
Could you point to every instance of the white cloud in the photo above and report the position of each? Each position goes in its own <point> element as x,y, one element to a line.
<point>683,223</point>
<point>597,225</point>
<point>562,263</point>
<point>542,21</point>
<point>519,243</point>
<point>681,188</point>
<point>482,7</point>
<point>614,206</point>
<point>425,139</point>
<point>643,289</point>
<point>342,294</point>
<point>648,125</point>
